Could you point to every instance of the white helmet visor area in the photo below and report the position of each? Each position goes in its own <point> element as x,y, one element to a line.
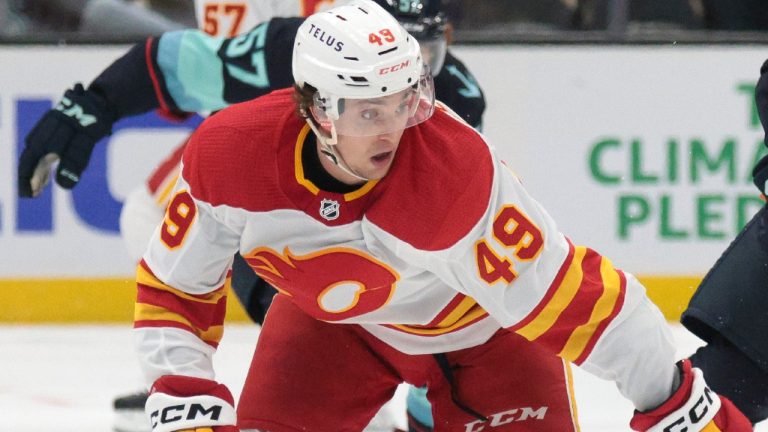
<point>433,51</point>
<point>377,116</point>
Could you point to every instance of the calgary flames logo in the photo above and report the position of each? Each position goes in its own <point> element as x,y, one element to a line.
<point>332,284</point>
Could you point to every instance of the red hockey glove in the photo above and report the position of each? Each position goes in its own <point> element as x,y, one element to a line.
<point>693,407</point>
<point>179,403</point>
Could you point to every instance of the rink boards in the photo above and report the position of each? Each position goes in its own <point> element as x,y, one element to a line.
<point>641,152</point>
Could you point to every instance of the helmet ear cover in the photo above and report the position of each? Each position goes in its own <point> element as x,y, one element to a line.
<point>320,117</point>
<point>330,107</point>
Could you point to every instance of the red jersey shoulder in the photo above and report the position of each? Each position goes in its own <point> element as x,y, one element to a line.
<point>439,186</point>
<point>231,158</point>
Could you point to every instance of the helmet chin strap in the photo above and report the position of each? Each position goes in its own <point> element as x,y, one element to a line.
<point>328,148</point>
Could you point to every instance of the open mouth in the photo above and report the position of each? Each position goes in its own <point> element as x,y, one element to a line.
<point>382,157</point>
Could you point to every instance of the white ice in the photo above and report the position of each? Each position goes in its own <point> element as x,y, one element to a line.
<point>63,378</point>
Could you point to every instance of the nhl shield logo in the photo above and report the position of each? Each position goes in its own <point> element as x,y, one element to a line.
<point>329,209</point>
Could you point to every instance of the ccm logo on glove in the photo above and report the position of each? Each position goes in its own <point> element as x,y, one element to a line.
<point>185,403</point>
<point>692,407</point>
<point>703,410</point>
<point>192,411</point>
<point>71,109</point>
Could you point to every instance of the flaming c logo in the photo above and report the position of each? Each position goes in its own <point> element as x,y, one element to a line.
<point>332,284</point>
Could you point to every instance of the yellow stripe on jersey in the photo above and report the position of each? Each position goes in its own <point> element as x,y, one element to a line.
<point>300,178</point>
<point>466,304</point>
<point>571,395</point>
<point>602,310</point>
<point>559,301</point>
<point>361,191</point>
<point>144,277</point>
<point>147,312</point>
<point>445,327</point>
<point>163,197</point>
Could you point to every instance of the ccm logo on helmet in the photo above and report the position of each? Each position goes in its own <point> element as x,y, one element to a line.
<point>394,68</point>
<point>320,34</point>
<point>179,412</point>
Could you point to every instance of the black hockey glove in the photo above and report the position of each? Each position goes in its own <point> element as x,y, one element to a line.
<point>66,133</point>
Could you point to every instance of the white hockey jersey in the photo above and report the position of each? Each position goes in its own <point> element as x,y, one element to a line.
<point>233,17</point>
<point>436,256</point>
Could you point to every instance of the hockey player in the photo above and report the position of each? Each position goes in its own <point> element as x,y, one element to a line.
<point>730,308</point>
<point>231,18</point>
<point>405,250</point>
<point>132,85</point>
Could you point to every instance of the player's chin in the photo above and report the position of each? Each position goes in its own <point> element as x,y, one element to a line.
<point>380,164</point>
<point>376,174</point>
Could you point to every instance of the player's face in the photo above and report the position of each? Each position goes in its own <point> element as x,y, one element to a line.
<point>369,131</point>
<point>371,156</point>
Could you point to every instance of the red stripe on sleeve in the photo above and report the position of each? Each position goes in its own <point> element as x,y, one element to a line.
<point>153,75</point>
<point>550,292</point>
<point>603,325</point>
<point>580,308</point>
<point>201,315</point>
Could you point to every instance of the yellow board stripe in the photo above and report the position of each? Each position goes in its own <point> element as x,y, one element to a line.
<point>76,301</point>
<point>559,301</point>
<point>602,310</point>
<point>671,293</point>
<point>111,300</point>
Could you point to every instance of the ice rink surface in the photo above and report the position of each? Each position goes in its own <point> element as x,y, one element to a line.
<point>63,378</point>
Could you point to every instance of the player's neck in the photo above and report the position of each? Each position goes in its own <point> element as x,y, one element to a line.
<point>335,171</point>
<point>314,171</point>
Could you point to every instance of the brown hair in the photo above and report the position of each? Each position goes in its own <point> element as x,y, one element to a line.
<point>304,98</point>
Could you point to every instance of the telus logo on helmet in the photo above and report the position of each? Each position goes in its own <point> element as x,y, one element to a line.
<point>329,40</point>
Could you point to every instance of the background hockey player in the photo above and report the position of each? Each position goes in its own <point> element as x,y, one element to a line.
<point>730,308</point>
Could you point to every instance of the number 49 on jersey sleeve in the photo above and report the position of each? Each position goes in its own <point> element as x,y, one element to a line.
<point>512,230</point>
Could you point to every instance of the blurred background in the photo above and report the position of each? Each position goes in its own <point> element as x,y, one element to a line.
<point>476,21</point>
<point>632,121</point>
